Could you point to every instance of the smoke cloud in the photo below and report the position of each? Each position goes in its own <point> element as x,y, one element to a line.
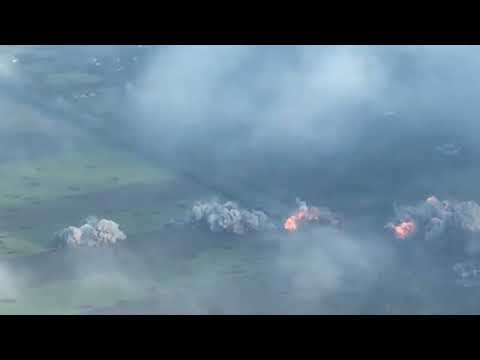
<point>353,128</point>
<point>304,213</point>
<point>93,233</point>
<point>229,217</point>
<point>454,224</point>
<point>286,118</point>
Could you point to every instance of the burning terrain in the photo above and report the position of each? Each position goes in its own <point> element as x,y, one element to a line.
<point>230,217</point>
<point>440,222</point>
<point>306,214</point>
<point>403,230</point>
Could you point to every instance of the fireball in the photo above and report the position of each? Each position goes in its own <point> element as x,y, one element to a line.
<point>291,224</point>
<point>404,229</point>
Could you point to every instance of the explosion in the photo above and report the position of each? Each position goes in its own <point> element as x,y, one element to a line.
<point>229,217</point>
<point>443,224</point>
<point>404,229</point>
<point>94,233</point>
<point>306,213</point>
<point>291,224</point>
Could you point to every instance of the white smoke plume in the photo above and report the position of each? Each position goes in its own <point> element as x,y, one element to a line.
<point>229,217</point>
<point>93,233</point>
<point>444,222</point>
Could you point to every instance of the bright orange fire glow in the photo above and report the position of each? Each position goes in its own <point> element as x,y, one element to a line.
<point>291,224</point>
<point>404,229</point>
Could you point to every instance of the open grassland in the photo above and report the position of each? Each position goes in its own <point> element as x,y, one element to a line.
<point>59,175</point>
<point>42,196</point>
<point>74,295</point>
<point>129,277</point>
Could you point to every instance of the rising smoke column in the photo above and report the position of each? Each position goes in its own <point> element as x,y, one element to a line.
<point>305,213</point>
<point>440,222</point>
<point>93,233</point>
<point>229,217</point>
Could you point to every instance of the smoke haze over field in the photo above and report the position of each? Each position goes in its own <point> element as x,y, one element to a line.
<point>307,116</point>
<point>354,129</point>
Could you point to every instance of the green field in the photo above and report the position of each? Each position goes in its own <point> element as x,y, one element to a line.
<point>74,296</point>
<point>63,157</point>
<point>42,192</point>
<point>44,195</point>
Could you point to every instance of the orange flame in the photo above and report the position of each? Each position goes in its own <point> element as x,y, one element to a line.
<point>404,229</point>
<point>291,224</point>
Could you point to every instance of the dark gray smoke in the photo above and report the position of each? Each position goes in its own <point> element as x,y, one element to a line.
<point>348,127</point>
<point>229,217</point>
<point>446,223</point>
<point>93,233</point>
